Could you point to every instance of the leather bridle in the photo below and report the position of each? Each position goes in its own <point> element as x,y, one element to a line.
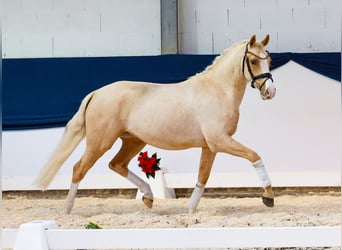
<point>265,76</point>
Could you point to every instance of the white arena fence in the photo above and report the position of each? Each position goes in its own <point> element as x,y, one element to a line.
<point>45,235</point>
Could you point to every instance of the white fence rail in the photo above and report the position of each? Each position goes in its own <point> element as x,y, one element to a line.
<point>44,235</point>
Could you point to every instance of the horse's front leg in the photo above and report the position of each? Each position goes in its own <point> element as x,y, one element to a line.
<point>267,197</point>
<point>228,145</point>
<point>207,159</point>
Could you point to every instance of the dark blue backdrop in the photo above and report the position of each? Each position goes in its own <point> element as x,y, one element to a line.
<point>40,93</point>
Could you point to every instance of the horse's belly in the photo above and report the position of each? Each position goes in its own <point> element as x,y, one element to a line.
<point>170,138</point>
<point>171,144</point>
<point>163,116</point>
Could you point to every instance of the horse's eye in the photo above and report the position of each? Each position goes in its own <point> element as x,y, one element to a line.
<point>254,62</point>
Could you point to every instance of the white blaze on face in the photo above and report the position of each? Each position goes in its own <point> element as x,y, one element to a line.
<point>270,90</point>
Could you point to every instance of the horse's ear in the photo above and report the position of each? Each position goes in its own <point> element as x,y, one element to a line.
<point>266,40</point>
<point>252,40</point>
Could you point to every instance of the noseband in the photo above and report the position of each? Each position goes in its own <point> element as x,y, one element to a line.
<point>266,76</point>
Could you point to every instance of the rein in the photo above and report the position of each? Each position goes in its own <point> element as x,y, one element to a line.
<point>266,76</point>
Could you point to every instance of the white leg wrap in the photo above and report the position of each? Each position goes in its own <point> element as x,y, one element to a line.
<point>69,202</point>
<point>143,186</point>
<point>195,197</point>
<point>261,171</point>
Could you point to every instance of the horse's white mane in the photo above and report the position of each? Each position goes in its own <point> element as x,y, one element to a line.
<point>217,59</point>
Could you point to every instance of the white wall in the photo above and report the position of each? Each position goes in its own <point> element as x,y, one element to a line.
<point>73,28</point>
<point>207,26</point>
<point>297,133</point>
<point>77,28</point>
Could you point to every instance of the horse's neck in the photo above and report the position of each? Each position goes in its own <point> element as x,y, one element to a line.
<point>228,78</point>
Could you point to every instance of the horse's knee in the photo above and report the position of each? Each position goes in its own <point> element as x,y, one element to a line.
<point>121,169</point>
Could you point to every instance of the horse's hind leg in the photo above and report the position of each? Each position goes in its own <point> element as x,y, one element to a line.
<point>130,147</point>
<point>69,201</point>
<point>79,171</point>
<point>207,159</point>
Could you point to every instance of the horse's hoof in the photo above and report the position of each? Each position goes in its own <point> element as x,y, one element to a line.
<point>148,202</point>
<point>268,201</point>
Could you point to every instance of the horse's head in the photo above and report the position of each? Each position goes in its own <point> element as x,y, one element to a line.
<point>256,67</point>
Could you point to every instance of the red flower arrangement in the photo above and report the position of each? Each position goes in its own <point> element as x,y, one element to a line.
<point>149,165</point>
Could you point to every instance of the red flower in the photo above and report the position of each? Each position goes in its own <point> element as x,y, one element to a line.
<point>149,165</point>
<point>142,157</point>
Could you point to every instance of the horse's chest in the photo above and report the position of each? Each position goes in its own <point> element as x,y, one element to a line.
<point>230,121</point>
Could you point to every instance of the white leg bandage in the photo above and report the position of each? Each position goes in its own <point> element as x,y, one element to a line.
<point>195,197</point>
<point>261,171</point>
<point>143,186</point>
<point>69,202</point>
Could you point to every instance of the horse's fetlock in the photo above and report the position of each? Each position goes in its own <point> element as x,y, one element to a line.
<point>146,190</point>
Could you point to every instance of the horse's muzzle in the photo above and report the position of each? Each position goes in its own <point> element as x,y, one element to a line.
<point>269,91</point>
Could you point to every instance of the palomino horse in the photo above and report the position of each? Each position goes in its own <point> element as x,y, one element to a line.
<point>202,111</point>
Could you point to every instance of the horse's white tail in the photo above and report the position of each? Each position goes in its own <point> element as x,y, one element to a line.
<point>73,134</point>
